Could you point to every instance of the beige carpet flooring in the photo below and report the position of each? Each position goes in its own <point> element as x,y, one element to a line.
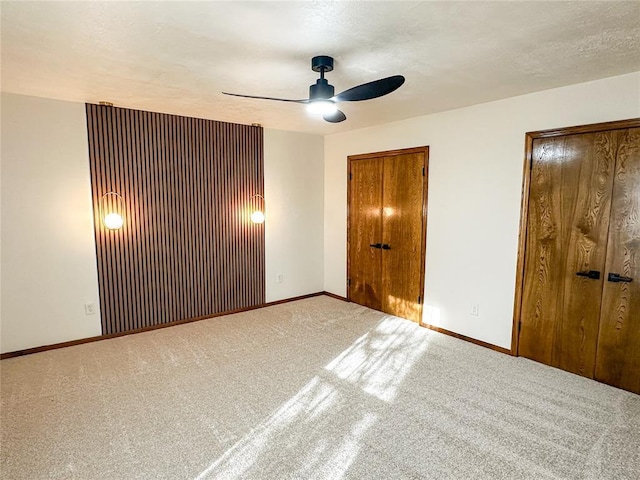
<point>314,389</point>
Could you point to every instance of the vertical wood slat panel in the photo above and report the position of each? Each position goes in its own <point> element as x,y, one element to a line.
<point>187,248</point>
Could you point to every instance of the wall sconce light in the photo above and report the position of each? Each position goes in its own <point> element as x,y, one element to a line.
<point>112,210</point>
<point>257,216</point>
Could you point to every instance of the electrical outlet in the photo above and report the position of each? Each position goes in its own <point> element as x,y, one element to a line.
<point>279,278</point>
<point>90,308</point>
<point>475,309</point>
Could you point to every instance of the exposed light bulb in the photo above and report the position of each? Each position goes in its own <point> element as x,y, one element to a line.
<point>322,107</point>
<point>113,221</point>
<point>257,217</point>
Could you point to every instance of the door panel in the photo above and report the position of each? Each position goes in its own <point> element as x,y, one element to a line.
<point>402,233</point>
<point>618,358</point>
<point>543,247</point>
<point>569,206</point>
<point>586,248</point>
<point>365,229</point>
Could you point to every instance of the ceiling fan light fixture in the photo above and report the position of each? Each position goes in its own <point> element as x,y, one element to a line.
<point>322,99</point>
<point>322,107</point>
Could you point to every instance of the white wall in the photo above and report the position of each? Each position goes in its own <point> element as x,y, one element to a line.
<point>294,190</point>
<point>48,251</point>
<point>475,180</point>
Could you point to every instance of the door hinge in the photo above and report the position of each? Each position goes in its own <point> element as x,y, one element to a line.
<point>419,300</point>
<point>350,176</point>
<point>348,282</point>
<point>519,326</point>
<point>423,171</point>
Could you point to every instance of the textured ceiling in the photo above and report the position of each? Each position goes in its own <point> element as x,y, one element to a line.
<point>177,57</point>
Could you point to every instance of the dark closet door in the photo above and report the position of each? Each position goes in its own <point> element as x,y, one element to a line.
<point>618,358</point>
<point>569,205</point>
<point>387,231</point>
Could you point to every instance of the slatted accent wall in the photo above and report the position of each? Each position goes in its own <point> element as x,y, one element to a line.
<point>187,248</point>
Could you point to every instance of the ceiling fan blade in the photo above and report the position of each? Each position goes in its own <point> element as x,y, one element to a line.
<point>335,117</point>
<point>370,90</point>
<point>267,98</point>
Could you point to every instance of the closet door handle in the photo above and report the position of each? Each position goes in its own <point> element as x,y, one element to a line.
<point>376,245</point>
<point>590,274</point>
<point>616,278</point>
<point>386,247</point>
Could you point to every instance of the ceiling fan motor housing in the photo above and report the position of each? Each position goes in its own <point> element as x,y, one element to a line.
<point>321,90</point>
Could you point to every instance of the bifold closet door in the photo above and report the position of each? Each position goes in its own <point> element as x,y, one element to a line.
<point>618,358</point>
<point>365,227</point>
<point>581,280</point>
<point>402,235</point>
<point>568,218</point>
<point>387,231</point>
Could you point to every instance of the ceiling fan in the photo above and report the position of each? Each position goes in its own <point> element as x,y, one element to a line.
<point>321,95</point>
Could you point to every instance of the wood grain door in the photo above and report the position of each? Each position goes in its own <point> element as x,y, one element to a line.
<point>578,301</point>
<point>618,356</point>
<point>387,231</point>
<point>365,227</point>
<point>568,217</point>
<point>402,214</point>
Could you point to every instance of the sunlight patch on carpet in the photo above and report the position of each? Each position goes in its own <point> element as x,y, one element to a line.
<point>379,360</point>
<point>308,432</point>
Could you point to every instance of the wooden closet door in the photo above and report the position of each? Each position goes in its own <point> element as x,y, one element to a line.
<point>618,357</point>
<point>569,207</point>
<point>386,234</point>
<point>402,213</point>
<point>365,232</point>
